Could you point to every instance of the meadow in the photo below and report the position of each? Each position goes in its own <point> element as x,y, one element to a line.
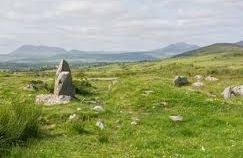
<point>212,126</point>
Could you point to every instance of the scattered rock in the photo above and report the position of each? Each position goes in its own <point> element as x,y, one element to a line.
<point>100,124</point>
<point>29,87</point>
<point>50,127</point>
<point>146,93</point>
<point>98,109</point>
<point>135,121</point>
<point>180,81</point>
<point>238,90</point>
<point>72,117</point>
<point>232,91</point>
<point>227,92</point>
<point>176,118</point>
<point>198,84</point>
<point>51,99</point>
<point>210,78</point>
<point>198,77</point>
<point>164,103</point>
<point>203,149</point>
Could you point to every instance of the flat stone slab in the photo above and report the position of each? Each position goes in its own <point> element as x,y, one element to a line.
<point>51,99</point>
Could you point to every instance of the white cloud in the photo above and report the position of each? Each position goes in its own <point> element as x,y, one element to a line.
<point>118,24</point>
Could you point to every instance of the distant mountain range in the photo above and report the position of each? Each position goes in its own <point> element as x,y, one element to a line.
<point>31,54</point>
<point>46,54</point>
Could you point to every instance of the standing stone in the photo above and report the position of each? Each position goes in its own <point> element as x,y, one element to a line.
<point>63,82</point>
<point>63,90</point>
<point>63,85</point>
<point>63,66</point>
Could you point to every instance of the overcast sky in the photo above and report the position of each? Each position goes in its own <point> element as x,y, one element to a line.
<point>118,24</point>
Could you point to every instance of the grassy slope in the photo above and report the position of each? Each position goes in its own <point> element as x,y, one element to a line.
<point>210,123</point>
<point>225,49</point>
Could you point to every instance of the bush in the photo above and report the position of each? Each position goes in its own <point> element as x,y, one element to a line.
<point>83,87</point>
<point>39,85</point>
<point>18,123</point>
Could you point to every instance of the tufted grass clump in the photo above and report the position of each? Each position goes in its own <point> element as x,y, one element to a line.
<point>83,87</point>
<point>18,123</point>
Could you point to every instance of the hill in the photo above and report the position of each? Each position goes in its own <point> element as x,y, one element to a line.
<point>105,57</point>
<point>215,49</point>
<point>173,49</point>
<point>240,43</point>
<point>27,51</point>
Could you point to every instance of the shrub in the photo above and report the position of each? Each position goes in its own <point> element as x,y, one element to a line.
<point>83,87</point>
<point>39,85</point>
<point>18,122</point>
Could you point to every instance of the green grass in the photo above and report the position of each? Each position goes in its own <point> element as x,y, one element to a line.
<point>18,123</point>
<point>212,127</point>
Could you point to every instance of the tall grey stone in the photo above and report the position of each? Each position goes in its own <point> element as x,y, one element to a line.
<point>63,90</point>
<point>63,66</point>
<point>63,82</point>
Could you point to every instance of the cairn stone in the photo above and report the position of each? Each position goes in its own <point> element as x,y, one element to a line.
<point>180,81</point>
<point>51,99</point>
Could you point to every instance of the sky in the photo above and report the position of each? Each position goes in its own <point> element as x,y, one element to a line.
<point>118,25</point>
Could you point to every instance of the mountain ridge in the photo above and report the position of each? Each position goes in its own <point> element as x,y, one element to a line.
<point>240,43</point>
<point>37,51</point>
<point>29,52</point>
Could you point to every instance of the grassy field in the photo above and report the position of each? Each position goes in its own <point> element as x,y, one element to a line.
<point>212,126</point>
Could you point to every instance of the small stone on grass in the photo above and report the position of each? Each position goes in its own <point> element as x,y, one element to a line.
<point>176,118</point>
<point>135,121</point>
<point>98,109</point>
<point>100,124</point>
<point>72,117</point>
